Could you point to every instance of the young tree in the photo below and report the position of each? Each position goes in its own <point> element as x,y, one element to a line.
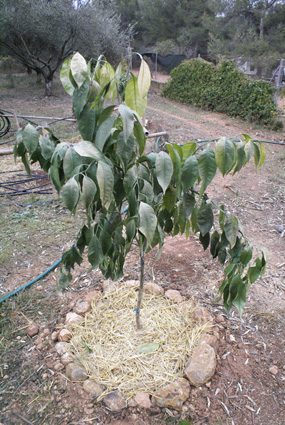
<point>43,33</point>
<point>131,197</point>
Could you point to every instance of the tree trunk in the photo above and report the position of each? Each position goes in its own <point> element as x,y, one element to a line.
<point>48,82</point>
<point>139,325</point>
<point>39,76</point>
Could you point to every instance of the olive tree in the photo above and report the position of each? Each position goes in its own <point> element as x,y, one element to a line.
<point>41,34</point>
<point>132,197</point>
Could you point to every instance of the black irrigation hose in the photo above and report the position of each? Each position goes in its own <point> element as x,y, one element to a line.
<point>5,124</point>
<point>15,182</point>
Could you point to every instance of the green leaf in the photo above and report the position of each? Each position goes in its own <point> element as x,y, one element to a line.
<point>240,299</point>
<point>248,150</point>
<point>151,347</point>
<point>78,67</point>
<point>128,121</point>
<point>188,149</point>
<point>64,77</point>
<point>215,237</point>
<point>105,179</point>
<point>256,155</point>
<point>184,423</point>
<point>205,240</point>
<point>30,138</point>
<point>148,221</point>
<point>103,132</point>
<point>246,255</point>
<point>70,194</point>
<point>95,253</point>
<point>70,162</point>
<point>262,154</point>
<point>188,203</point>
<point>144,79</point>
<point>190,172</point>
<point>140,136</point>
<point>205,218</point>
<point>88,150</point>
<point>133,98</point>
<point>207,168</point>
<point>225,155</point>
<point>231,229</point>
<point>47,146</point>
<point>222,216</point>
<point>131,230</point>
<point>89,189</point>
<point>169,198</point>
<point>130,179</point>
<point>79,97</point>
<point>146,192</point>
<point>164,170</point>
<point>240,157</point>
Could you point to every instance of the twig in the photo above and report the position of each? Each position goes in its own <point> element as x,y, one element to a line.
<point>23,419</point>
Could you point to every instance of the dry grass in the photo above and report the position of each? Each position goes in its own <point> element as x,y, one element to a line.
<point>107,342</point>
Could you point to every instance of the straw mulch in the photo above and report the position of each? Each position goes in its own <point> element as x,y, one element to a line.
<point>106,343</point>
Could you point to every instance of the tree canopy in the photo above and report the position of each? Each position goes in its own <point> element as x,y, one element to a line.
<point>43,33</point>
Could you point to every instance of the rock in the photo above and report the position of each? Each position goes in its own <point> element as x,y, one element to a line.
<point>172,395</point>
<point>33,330</point>
<point>82,307</point>
<point>108,286</point>
<point>115,401</point>
<point>66,358</point>
<point>143,399</point>
<point>92,297</point>
<point>73,319</point>
<point>58,366</point>
<point>62,348</point>
<point>75,372</point>
<point>131,284</point>
<point>174,295</point>
<point>64,335</point>
<point>273,370</point>
<point>92,388</point>
<point>54,336</point>
<point>201,366</point>
<point>187,306</point>
<point>220,319</point>
<point>202,316</point>
<point>153,288</point>
<point>211,340</point>
<point>38,340</point>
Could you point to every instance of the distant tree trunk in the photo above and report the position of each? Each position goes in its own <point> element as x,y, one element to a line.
<point>39,76</point>
<point>48,82</point>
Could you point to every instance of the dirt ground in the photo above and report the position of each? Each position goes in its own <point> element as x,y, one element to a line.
<point>248,386</point>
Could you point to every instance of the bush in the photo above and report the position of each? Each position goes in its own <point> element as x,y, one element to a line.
<point>222,88</point>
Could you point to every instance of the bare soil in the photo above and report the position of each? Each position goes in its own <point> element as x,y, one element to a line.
<point>245,389</point>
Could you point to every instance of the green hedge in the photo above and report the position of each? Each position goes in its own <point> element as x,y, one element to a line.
<point>222,88</point>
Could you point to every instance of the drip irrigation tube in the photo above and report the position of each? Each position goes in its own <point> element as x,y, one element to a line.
<point>51,268</point>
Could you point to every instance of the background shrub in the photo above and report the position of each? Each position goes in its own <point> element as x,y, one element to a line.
<point>222,88</point>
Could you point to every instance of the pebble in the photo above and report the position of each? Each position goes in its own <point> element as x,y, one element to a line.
<point>73,319</point>
<point>143,399</point>
<point>153,288</point>
<point>76,372</point>
<point>82,307</point>
<point>115,401</point>
<point>93,297</point>
<point>64,335</point>
<point>273,370</point>
<point>174,295</point>
<point>172,395</point>
<point>62,348</point>
<point>58,366</point>
<point>66,358</point>
<point>44,376</point>
<point>202,316</point>
<point>92,388</point>
<point>33,330</point>
<point>54,336</point>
